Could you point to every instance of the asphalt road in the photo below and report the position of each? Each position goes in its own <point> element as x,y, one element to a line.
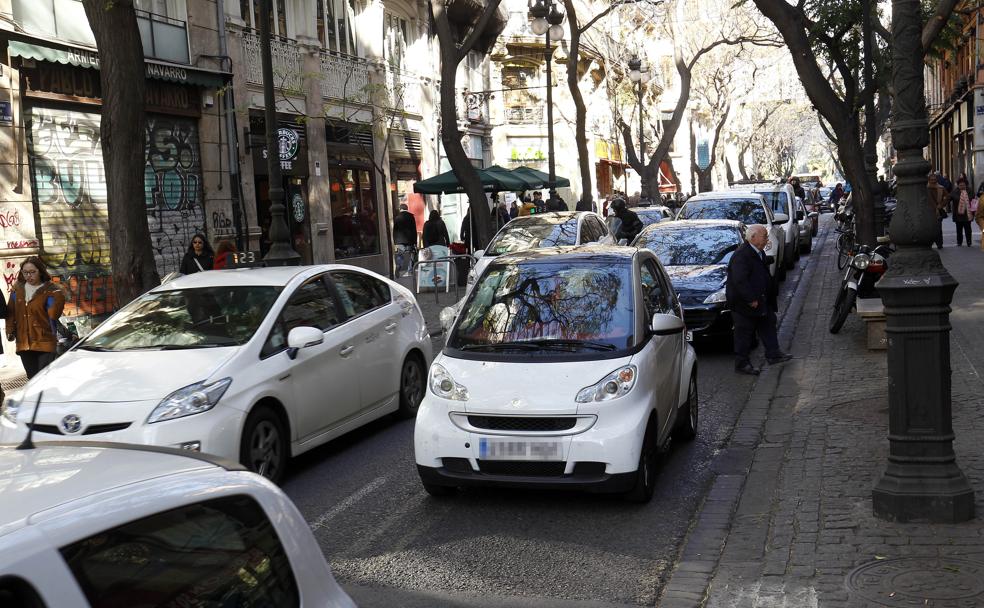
<point>390,544</point>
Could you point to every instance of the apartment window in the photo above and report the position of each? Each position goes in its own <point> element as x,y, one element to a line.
<point>250,10</point>
<point>335,31</point>
<point>167,8</point>
<point>395,38</point>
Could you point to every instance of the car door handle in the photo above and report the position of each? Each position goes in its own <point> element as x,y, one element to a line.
<point>389,328</point>
<point>345,352</point>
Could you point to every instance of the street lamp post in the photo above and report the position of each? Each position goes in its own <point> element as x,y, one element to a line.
<point>922,481</point>
<point>639,74</point>
<point>547,19</point>
<point>281,252</point>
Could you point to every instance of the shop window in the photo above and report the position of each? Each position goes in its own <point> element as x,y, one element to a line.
<point>354,215</point>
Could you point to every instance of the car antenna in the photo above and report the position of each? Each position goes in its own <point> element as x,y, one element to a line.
<point>27,444</point>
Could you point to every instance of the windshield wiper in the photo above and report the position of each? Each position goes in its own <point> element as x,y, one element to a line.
<point>202,345</point>
<point>501,345</point>
<point>562,343</point>
<point>98,349</point>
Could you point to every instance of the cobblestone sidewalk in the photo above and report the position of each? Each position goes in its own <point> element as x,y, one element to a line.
<point>788,520</point>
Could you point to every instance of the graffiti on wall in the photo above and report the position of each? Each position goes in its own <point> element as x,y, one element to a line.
<point>69,182</point>
<point>173,187</point>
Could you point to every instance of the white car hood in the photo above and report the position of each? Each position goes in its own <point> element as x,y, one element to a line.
<point>525,388</point>
<point>115,377</point>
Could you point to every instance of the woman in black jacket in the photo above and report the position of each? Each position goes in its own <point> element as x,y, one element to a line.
<point>435,231</point>
<point>199,256</point>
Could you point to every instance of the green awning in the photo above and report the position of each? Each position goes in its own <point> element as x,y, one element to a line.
<point>536,174</point>
<point>85,58</point>
<point>495,179</point>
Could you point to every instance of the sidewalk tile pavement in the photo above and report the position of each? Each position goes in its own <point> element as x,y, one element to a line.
<point>811,445</point>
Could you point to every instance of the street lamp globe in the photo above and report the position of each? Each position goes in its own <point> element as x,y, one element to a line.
<point>538,13</point>
<point>556,32</point>
<point>644,75</point>
<point>539,26</point>
<point>635,71</point>
<point>556,18</point>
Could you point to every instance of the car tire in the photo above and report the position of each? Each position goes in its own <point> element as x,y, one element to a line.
<point>781,271</point>
<point>645,482</point>
<point>413,382</point>
<point>264,446</point>
<point>686,425</point>
<point>795,256</point>
<point>808,247</point>
<point>439,491</point>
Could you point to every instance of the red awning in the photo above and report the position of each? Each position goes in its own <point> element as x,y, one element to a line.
<point>667,183</point>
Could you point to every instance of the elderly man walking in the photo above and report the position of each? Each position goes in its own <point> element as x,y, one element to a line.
<point>751,294</point>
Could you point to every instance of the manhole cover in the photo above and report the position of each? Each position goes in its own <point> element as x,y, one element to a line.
<point>920,581</point>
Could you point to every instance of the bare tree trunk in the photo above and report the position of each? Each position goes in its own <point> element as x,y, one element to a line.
<point>121,75</point>
<point>580,111</point>
<point>451,56</point>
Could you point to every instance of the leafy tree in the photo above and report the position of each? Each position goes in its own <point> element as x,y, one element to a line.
<point>121,74</point>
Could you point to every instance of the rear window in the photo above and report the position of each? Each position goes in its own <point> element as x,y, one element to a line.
<point>212,554</point>
<point>749,211</point>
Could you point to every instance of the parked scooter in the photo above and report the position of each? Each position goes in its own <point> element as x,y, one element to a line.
<point>865,268</point>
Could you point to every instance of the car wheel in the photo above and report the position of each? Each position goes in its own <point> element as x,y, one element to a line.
<point>439,491</point>
<point>645,482</point>
<point>795,256</point>
<point>412,379</point>
<point>781,271</point>
<point>264,447</point>
<point>686,426</point>
<point>808,247</point>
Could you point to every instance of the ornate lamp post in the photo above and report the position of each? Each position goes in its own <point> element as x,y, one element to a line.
<point>281,252</point>
<point>922,481</point>
<point>547,19</point>
<point>639,74</point>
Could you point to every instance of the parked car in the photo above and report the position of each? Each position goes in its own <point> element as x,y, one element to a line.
<point>695,255</point>
<point>552,229</point>
<point>825,199</point>
<point>782,199</point>
<point>649,215</point>
<point>566,368</point>
<point>809,225</point>
<point>98,524</point>
<point>253,365</point>
<point>748,208</point>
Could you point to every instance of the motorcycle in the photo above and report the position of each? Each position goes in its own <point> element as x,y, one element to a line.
<point>865,268</point>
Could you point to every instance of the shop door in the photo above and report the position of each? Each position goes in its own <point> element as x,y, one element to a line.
<point>297,215</point>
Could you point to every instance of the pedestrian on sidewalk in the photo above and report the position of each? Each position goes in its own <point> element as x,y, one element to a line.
<point>35,306</point>
<point>436,231</point>
<point>979,217</point>
<point>960,207</point>
<point>937,197</point>
<point>199,256</point>
<point>225,251</point>
<point>752,296</point>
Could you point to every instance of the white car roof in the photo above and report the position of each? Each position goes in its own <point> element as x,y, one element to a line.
<point>725,194</point>
<point>278,276</point>
<point>760,187</point>
<point>54,474</point>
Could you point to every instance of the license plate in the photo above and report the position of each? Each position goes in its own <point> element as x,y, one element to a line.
<point>494,449</point>
<point>690,336</point>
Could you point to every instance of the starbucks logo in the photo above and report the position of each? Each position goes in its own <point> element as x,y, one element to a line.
<point>297,207</point>
<point>287,140</point>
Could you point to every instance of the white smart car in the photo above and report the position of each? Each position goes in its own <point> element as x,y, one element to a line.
<point>96,524</point>
<point>254,365</point>
<point>567,367</point>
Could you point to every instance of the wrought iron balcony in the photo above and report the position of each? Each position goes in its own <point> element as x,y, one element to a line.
<point>286,56</point>
<point>163,38</point>
<point>345,77</point>
<point>524,115</point>
<point>403,90</point>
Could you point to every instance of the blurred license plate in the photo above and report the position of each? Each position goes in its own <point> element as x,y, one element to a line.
<point>494,449</point>
<point>690,336</point>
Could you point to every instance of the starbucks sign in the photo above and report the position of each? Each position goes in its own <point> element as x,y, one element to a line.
<point>297,207</point>
<point>287,141</point>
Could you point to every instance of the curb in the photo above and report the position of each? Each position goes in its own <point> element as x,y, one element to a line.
<point>703,546</point>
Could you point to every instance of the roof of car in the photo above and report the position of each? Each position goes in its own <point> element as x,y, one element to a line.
<point>550,217</point>
<point>650,208</point>
<point>277,276</point>
<point>723,194</point>
<point>759,187</point>
<point>592,252</point>
<point>53,473</point>
<point>691,224</point>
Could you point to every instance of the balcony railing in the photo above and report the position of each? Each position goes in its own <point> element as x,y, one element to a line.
<point>344,77</point>
<point>524,115</point>
<point>163,38</point>
<point>286,58</point>
<point>403,90</point>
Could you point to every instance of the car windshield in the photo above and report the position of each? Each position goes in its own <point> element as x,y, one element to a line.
<point>185,318</point>
<point>691,246</point>
<point>749,211</point>
<point>533,233</point>
<point>776,200</point>
<point>548,308</point>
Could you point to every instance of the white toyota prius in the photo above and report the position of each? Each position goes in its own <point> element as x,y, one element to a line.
<point>566,367</point>
<point>253,365</point>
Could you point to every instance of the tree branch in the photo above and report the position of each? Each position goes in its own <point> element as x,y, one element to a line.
<point>490,10</point>
<point>934,25</point>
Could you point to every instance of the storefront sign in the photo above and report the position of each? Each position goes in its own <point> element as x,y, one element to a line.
<point>297,207</point>
<point>291,146</point>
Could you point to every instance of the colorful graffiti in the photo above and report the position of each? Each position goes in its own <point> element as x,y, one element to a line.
<point>69,182</point>
<point>173,185</point>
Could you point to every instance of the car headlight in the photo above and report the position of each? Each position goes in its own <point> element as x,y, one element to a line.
<point>612,386</point>
<point>443,385</point>
<point>192,399</point>
<point>716,297</point>
<point>11,405</point>
<point>861,261</point>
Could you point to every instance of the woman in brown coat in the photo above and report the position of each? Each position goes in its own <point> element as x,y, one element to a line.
<point>35,306</point>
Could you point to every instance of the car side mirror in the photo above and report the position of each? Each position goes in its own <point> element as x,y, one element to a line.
<point>780,218</point>
<point>814,215</point>
<point>799,216</point>
<point>447,318</point>
<point>478,254</point>
<point>303,337</point>
<point>623,242</point>
<point>666,325</point>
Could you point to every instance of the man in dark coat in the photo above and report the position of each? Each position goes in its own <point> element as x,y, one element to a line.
<point>404,227</point>
<point>751,294</point>
<point>630,225</point>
